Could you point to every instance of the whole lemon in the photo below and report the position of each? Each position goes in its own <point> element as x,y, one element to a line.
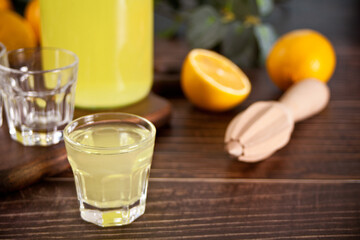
<point>5,5</point>
<point>298,55</point>
<point>15,31</point>
<point>32,15</point>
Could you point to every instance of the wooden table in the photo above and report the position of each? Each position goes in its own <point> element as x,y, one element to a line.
<point>308,190</point>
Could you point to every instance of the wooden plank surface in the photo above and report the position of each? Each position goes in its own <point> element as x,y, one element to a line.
<point>201,208</point>
<point>308,190</point>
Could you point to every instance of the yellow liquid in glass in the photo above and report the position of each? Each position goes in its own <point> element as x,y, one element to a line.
<point>114,42</point>
<point>108,178</point>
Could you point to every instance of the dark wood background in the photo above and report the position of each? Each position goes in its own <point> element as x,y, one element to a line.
<point>308,190</point>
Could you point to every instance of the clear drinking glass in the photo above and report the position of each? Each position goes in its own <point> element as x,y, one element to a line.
<point>3,61</point>
<point>110,155</point>
<point>38,92</point>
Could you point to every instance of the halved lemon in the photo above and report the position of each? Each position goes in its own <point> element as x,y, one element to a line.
<point>212,82</point>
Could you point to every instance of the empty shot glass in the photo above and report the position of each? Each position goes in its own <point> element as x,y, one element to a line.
<point>38,90</point>
<point>110,155</point>
<point>3,61</point>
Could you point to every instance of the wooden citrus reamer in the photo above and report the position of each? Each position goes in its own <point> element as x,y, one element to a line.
<point>266,126</point>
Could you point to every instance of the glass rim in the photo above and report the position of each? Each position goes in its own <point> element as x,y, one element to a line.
<point>3,49</point>
<point>130,147</point>
<point>13,70</point>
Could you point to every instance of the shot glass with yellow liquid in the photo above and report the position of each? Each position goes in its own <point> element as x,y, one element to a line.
<point>110,155</point>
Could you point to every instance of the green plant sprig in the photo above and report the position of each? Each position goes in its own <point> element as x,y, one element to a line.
<point>235,28</point>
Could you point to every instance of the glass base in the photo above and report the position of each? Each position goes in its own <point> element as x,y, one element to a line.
<point>112,216</point>
<point>32,138</point>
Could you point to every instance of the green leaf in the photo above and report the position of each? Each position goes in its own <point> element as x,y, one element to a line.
<point>248,57</point>
<point>235,38</point>
<point>166,27</point>
<point>265,7</point>
<point>266,37</point>
<point>205,29</point>
<point>239,44</point>
<point>244,8</point>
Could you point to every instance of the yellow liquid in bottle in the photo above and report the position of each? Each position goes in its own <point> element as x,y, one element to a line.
<point>114,42</point>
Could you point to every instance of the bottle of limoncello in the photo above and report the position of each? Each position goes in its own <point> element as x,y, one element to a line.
<point>114,42</point>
